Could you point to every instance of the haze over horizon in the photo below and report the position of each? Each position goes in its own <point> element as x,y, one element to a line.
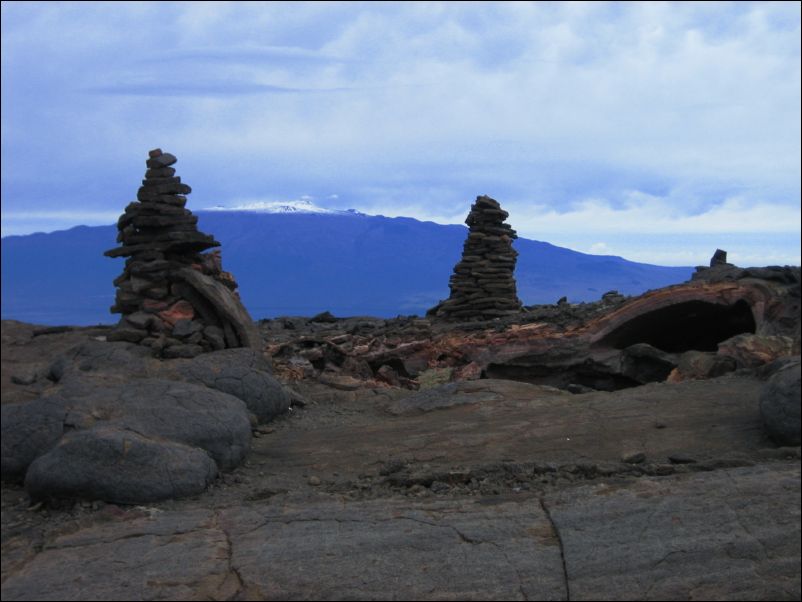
<point>652,131</point>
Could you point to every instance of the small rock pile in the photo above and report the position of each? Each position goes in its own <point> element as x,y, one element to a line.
<point>173,298</point>
<point>719,258</point>
<point>483,286</point>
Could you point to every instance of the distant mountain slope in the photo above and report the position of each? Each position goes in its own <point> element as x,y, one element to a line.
<point>304,263</point>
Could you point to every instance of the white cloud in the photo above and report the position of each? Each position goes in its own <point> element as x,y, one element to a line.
<point>559,110</point>
<point>647,214</point>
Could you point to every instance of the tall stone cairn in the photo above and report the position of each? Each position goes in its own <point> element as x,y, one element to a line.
<point>172,297</point>
<point>483,286</point>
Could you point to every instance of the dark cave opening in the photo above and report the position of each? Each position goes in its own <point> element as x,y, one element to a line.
<point>394,363</point>
<point>696,325</point>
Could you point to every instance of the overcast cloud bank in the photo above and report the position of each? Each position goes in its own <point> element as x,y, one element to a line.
<point>654,131</point>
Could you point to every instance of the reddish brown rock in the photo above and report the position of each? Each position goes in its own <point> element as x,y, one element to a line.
<point>752,350</point>
<point>180,310</point>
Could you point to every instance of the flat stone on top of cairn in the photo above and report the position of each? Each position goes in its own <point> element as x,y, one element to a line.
<point>173,297</point>
<point>483,286</point>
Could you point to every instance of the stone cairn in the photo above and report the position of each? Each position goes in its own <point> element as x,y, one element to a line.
<point>172,297</point>
<point>483,286</point>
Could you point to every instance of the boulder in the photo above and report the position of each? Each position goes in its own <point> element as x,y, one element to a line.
<point>180,431</point>
<point>753,350</point>
<point>227,306</point>
<point>645,364</point>
<point>29,430</point>
<point>101,359</point>
<point>780,405</point>
<point>695,365</point>
<point>243,373</point>
<point>121,466</point>
<point>183,412</point>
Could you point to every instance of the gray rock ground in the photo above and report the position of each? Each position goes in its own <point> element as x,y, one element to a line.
<point>511,491</point>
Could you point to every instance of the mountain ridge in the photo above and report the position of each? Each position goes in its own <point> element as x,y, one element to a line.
<point>301,263</point>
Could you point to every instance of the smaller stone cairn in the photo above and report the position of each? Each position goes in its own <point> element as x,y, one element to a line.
<point>483,286</point>
<point>173,298</point>
<point>719,258</point>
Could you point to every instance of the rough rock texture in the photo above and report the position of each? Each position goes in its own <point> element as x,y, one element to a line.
<point>461,551</point>
<point>161,556</point>
<point>174,300</point>
<point>780,403</point>
<point>483,286</point>
<point>698,537</point>
<point>460,393</point>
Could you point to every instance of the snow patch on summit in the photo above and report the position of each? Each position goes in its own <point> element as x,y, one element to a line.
<point>297,206</point>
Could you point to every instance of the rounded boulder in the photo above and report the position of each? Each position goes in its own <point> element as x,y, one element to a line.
<point>780,404</point>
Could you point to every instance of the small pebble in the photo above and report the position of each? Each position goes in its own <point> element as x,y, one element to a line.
<point>314,481</point>
<point>681,459</point>
<point>633,458</point>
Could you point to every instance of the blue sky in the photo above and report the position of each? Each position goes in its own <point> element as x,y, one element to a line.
<point>653,131</point>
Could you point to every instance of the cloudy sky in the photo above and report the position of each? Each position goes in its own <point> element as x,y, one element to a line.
<point>653,131</point>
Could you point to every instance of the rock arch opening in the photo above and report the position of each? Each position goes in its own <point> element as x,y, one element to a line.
<point>697,325</point>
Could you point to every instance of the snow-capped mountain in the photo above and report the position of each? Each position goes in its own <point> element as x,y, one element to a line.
<point>297,206</point>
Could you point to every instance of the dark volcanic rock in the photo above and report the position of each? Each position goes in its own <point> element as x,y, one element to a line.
<point>243,373</point>
<point>325,317</point>
<point>167,417</point>
<point>719,257</point>
<point>211,420</point>
<point>780,405</point>
<point>645,364</point>
<point>119,465</point>
<point>29,430</point>
<point>701,364</point>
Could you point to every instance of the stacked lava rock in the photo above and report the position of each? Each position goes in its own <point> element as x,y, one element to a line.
<point>173,299</point>
<point>482,286</point>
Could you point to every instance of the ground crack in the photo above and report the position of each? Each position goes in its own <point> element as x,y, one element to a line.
<point>562,547</point>
<point>230,553</point>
